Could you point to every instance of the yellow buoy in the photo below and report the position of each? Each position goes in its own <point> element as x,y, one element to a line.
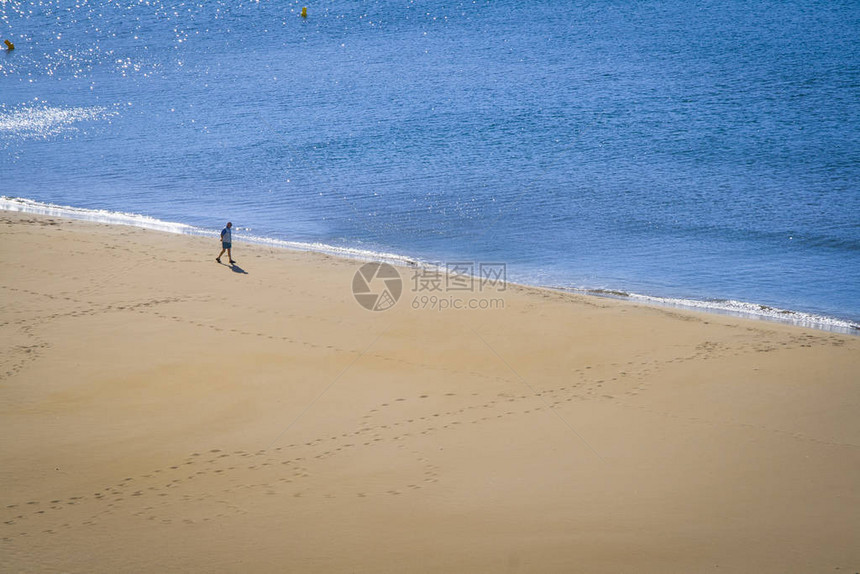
<point>304,11</point>
<point>9,45</point>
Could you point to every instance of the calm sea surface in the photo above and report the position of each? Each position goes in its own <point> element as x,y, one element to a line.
<point>690,150</point>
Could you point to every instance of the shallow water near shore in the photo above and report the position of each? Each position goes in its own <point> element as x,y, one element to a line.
<point>704,154</point>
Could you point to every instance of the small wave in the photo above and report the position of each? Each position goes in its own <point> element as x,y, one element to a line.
<point>97,215</point>
<point>46,121</point>
<point>146,222</point>
<point>345,252</point>
<point>736,309</point>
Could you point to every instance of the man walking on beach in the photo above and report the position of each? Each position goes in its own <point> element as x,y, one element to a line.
<point>226,243</point>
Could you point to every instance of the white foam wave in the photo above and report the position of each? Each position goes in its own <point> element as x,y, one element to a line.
<point>97,215</point>
<point>345,252</point>
<point>755,310</point>
<point>738,309</point>
<point>44,121</point>
<point>146,222</point>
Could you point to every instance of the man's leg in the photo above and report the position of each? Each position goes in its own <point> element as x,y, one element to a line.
<point>230,255</point>
<point>218,259</point>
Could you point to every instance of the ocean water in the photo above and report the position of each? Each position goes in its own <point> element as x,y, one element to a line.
<point>706,153</point>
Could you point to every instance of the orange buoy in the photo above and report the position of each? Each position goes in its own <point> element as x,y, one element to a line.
<point>9,45</point>
<point>304,11</point>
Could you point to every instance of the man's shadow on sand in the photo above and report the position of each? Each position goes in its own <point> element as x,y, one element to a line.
<point>234,268</point>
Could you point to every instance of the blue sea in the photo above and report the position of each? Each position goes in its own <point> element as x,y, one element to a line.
<point>697,153</point>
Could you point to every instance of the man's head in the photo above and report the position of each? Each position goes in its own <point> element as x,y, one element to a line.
<point>229,224</point>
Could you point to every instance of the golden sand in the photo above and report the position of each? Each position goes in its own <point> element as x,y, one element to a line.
<point>160,412</point>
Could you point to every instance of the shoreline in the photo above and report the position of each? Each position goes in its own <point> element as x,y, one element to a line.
<point>731,308</point>
<point>262,416</point>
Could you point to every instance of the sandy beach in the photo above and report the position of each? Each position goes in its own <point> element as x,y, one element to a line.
<point>160,412</point>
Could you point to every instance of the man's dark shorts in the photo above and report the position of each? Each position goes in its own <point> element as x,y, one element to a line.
<point>226,245</point>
